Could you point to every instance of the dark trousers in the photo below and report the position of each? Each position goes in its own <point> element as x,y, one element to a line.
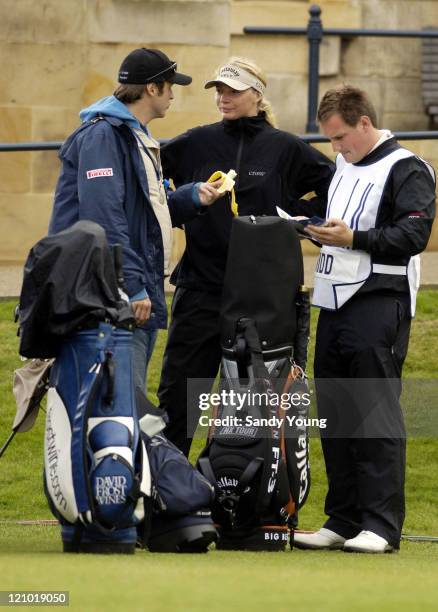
<point>193,351</point>
<point>359,355</point>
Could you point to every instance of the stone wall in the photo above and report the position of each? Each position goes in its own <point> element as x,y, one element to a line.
<point>61,55</point>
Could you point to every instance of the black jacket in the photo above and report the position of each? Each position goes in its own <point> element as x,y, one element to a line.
<point>273,168</point>
<point>404,221</point>
<point>69,282</point>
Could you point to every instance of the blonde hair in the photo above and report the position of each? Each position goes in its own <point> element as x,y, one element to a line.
<point>251,67</point>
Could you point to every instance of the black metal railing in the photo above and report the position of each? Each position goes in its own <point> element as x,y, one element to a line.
<point>315,33</point>
<point>310,138</point>
<point>30,146</point>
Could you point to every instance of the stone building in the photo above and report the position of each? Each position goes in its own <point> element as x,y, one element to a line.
<point>60,55</point>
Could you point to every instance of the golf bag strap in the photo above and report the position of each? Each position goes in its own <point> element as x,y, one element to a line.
<point>290,507</point>
<point>268,480</point>
<point>206,470</point>
<point>87,395</point>
<point>248,474</point>
<point>250,333</point>
<point>302,334</point>
<point>230,501</point>
<point>108,365</point>
<point>297,460</point>
<point>246,477</point>
<point>272,447</point>
<point>264,497</point>
<point>81,482</point>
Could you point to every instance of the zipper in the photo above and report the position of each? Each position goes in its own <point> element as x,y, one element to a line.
<point>122,460</point>
<point>239,156</point>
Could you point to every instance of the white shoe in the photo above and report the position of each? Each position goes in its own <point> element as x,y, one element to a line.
<point>368,542</point>
<point>324,539</point>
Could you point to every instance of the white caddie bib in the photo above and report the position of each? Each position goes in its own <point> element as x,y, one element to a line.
<point>354,196</point>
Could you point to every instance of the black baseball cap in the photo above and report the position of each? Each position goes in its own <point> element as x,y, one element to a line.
<point>143,66</point>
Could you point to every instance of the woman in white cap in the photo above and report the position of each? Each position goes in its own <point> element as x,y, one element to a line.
<point>274,168</point>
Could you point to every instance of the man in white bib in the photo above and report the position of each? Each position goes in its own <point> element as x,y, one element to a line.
<point>380,210</point>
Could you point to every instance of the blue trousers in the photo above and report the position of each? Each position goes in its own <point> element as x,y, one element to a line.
<point>143,345</point>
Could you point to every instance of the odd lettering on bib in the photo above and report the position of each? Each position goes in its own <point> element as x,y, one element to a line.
<point>339,265</point>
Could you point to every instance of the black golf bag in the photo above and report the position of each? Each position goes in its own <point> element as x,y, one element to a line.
<point>106,475</point>
<point>257,453</point>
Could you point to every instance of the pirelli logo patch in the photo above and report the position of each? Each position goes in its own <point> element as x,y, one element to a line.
<point>91,174</point>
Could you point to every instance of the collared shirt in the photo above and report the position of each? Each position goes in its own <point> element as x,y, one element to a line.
<point>385,135</point>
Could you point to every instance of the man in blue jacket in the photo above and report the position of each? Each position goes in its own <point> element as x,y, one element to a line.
<point>111,174</point>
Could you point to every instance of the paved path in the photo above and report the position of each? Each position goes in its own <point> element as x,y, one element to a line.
<point>11,275</point>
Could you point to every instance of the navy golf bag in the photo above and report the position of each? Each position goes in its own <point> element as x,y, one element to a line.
<point>181,515</point>
<point>107,469</point>
<point>257,453</point>
<point>97,475</point>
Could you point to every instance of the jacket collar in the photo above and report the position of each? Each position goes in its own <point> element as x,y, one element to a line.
<point>114,120</point>
<point>387,147</point>
<point>246,125</point>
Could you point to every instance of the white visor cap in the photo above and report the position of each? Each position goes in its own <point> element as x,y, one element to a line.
<point>236,78</point>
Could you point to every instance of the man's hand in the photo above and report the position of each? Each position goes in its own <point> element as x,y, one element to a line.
<point>142,310</point>
<point>334,233</point>
<point>208,192</point>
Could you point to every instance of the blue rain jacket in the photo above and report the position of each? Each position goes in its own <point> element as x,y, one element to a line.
<point>103,179</point>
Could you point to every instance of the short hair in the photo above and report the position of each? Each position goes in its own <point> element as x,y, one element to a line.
<point>351,103</point>
<point>131,93</point>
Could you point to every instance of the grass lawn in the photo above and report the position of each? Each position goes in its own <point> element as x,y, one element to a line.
<point>30,556</point>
